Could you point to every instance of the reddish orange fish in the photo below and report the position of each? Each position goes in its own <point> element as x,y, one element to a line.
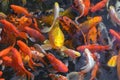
<point>34,33</point>
<point>56,63</point>
<point>4,52</point>
<point>27,52</point>
<point>87,6</point>
<point>99,6</point>
<point>18,64</point>
<point>20,10</point>
<point>94,71</point>
<point>11,28</point>
<point>115,34</point>
<point>93,47</point>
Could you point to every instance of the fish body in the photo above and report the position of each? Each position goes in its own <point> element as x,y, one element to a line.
<point>4,52</point>
<point>87,6</point>
<point>113,15</point>
<point>85,26</point>
<point>56,63</point>
<point>90,61</point>
<point>114,34</point>
<point>93,47</point>
<point>56,36</point>
<point>99,6</point>
<point>18,64</point>
<point>9,27</point>
<point>20,10</point>
<point>27,52</point>
<point>70,26</point>
<point>34,33</point>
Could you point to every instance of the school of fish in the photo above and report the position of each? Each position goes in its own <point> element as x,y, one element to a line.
<point>51,42</point>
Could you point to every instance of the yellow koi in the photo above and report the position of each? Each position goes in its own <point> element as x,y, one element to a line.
<point>56,36</point>
<point>112,61</point>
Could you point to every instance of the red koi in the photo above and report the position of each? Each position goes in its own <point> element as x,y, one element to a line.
<point>99,6</point>
<point>56,63</point>
<point>93,47</point>
<point>34,33</point>
<point>115,34</point>
<point>20,10</point>
<point>87,5</point>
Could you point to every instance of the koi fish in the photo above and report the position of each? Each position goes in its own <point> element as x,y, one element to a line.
<point>20,10</point>
<point>94,71</point>
<point>56,36</point>
<point>69,25</point>
<point>56,63</point>
<point>56,15</point>
<point>34,34</point>
<point>87,5</point>
<point>115,34</point>
<point>11,28</point>
<point>92,35</point>
<point>90,60</point>
<point>98,6</point>
<point>113,15</point>
<point>5,51</point>
<point>112,61</point>
<point>87,25</point>
<point>71,53</point>
<point>57,77</point>
<point>93,47</point>
<point>18,64</point>
<point>26,51</point>
<point>103,33</point>
<point>80,7</point>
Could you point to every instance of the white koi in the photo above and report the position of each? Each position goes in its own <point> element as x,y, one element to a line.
<point>90,61</point>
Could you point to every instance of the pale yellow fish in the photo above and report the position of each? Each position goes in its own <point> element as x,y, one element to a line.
<point>56,15</point>
<point>112,61</point>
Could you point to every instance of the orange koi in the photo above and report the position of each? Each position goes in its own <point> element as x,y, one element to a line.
<point>94,71</point>
<point>20,10</point>
<point>4,52</point>
<point>18,64</point>
<point>87,5</point>
<point>68,25</point>
<point>87,25</point>
<point>93,47</point>
<point>56,63</point>
<point>99,6</point>
<point>115,34</point>
<point>34,33</point>
<point>92,35</point>
<point>7,61</point>
<point>11,28</point>
<point>27,52</point>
